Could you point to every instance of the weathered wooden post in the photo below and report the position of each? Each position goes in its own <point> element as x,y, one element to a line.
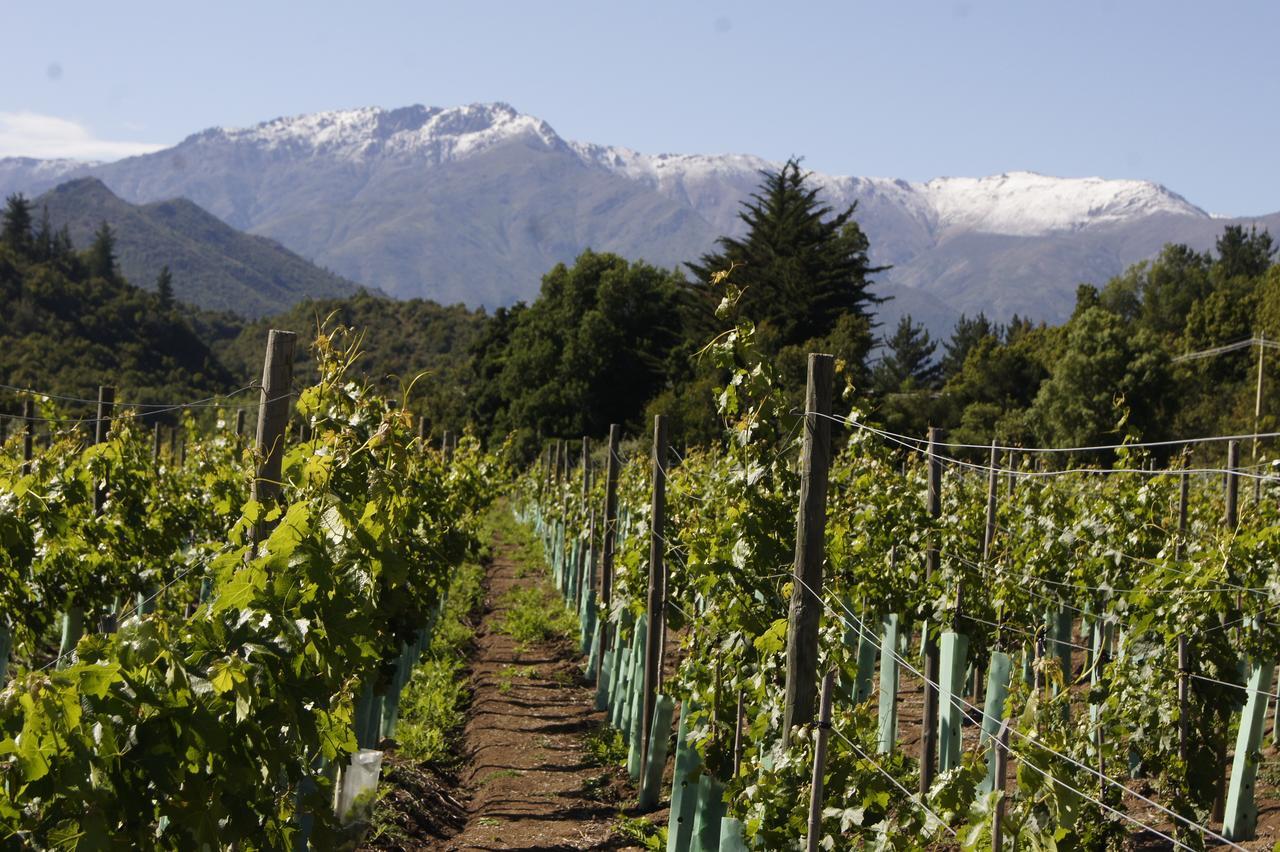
<point>657,708</point>
<point>1184,656</point>
<point>1001,771</point>
<point>814,839</point>
<point>73,619</point>
<point>929,716</point>
<point>811,517</point>
<point>273,416</point>
<point>28,434</point>
<point>1231,518</point>
<point>606,563</point>
<point>656,603</point>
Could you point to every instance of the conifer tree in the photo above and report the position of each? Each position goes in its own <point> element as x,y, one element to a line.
<point>907,363</point>
<point>164,287</point>
<point>101,259</point>
<point>800,268</point>
<point>15,230</point>
<point>967,334</point>
<point>44,236</point>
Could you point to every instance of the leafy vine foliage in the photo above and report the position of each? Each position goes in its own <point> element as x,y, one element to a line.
<point>1103,552</point>
<point>222,727</point>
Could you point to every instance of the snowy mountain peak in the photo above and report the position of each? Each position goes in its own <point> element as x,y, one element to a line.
<point>1017,203</point>
<point>436,133</point>
<point>1027,203</point>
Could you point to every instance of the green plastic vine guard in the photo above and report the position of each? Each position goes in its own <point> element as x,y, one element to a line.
<point>619,670</point>
<point>684,785</point>
<point>733,837</point>
<point>710,811</point>
<point>866,664</point>
<point>633,719</point>
<point>888,710</point>
<point>1240,820</point>
<point>953,651</point>
<point>656,754</point>
<point>591,647</point>
<point>998,673</point>
<point>606,671</point>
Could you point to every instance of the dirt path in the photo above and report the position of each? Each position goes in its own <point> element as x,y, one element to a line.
<point>530,781</point>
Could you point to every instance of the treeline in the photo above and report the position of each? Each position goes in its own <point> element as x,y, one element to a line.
<point>69,321</point>
<point>613,340</point>
<point>1114,370</point>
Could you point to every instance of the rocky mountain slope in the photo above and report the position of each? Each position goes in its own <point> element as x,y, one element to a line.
<point>213,265</point>
<point>474,203</point>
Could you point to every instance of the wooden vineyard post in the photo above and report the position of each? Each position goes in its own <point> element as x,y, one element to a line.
<point>73,619</point>
<point>737,733</point>
<point>814,837</point>
<point>1240,815</point>
<point>929,715</point>
<point>102,428</point>
<point>273,417</point>
<point>657,581</point>
<point>657,709</point>
<point>587,601</point>
<point>239,427</point>
<point>1231,518</point>
<point>28,434</point>
<point>1184,657</point>
<point>993,483</point>
<point>606,564</point>
<point>811,519</point>
<point>582,564</point>
<point>146,601</point>
<point>1001,771</point>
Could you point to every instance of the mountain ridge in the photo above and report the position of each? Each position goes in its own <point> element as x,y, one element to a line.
<point>213,265</point>
<point>474,203</point>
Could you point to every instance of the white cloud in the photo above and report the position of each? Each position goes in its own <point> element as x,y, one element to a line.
<point>30,134</point>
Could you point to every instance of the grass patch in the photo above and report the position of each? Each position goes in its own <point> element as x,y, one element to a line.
<point>434,701</point>
<point>507,676</point>
<point>640,830</point>
<point>604,747</point>
<point>501,773</point>
<point>535,615</point>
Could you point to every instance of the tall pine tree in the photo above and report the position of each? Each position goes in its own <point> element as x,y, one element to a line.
<point>101,258</point>
<point>907,363</point>
<point>15,229</point>
<point>800,268</point>
<point>164,287</point>
<point>967,334</point>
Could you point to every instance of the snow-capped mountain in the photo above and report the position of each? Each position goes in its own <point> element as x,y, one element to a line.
<point>474,203</point>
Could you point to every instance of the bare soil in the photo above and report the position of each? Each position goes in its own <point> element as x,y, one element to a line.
<point>527,781</point>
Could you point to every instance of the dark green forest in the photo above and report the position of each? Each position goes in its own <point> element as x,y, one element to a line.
<point>611,339</point>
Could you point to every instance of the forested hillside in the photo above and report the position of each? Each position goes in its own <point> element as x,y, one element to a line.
<point>614,340</point>
<point>212,264</point>
<point>70,322</point>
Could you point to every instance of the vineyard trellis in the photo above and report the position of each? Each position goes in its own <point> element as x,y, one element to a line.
<point>240,619</point>
<point>1165,574</point>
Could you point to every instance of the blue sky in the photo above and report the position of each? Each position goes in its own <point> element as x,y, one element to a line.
<point>1177,92</point>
